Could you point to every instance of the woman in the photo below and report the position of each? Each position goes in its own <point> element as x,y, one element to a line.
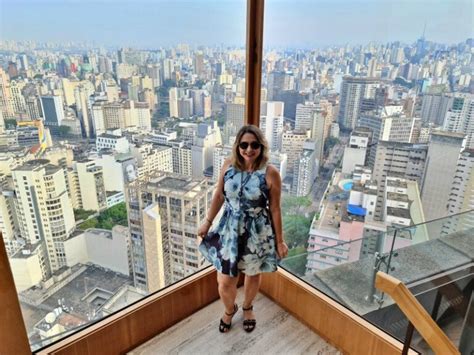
<point>248,237</point>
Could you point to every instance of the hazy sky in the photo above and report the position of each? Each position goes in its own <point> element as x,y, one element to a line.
<point>294,23</point>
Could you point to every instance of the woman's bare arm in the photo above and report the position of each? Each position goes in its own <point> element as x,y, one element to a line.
<point>274,184</point>
<point>216,202</point>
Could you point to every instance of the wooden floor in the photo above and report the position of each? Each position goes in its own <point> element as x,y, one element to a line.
<point>277,332</point>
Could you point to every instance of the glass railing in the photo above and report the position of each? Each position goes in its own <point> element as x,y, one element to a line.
<point>433,259</point>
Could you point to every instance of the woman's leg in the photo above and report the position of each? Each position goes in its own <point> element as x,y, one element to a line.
<point>227,291</point>
<point>251,287</point>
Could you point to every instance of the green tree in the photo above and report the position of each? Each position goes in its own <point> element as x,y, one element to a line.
<point>329,143</point>
<point>63,131</point>
<point>10,123</point>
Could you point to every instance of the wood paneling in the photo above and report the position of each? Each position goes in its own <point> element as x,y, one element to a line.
<point>339,326</point>
<point>415,313</point>
<point>134,325</point>
<point>253,77</point>
<point>13,338</point>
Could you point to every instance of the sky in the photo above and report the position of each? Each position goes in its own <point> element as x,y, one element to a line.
<point>288,23</point>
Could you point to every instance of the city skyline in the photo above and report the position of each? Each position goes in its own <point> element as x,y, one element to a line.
<point>149,24</point>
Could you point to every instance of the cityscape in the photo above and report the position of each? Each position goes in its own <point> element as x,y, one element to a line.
<point>109,158</point>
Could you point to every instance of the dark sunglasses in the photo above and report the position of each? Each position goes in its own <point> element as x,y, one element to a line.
<point>254,145</point>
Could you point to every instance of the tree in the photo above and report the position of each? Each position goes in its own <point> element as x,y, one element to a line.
<point>63,131</point>
<point>329,143</point>
<point>10,123</point>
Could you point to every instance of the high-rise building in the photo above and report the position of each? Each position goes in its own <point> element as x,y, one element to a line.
<point>182,158</point>
<point>90,189</point>
<point>292,143</point>
<point>33,108</point>
<point>6,104</point>
<point>8,218</point>
<point>221,153</point>
<point>434,107</point>
<point>462,190</point>
<point>389,124</point>
<point>173,102</point>
<point>271,123</point>
<point>165,211</point>
<point>305,170</point>
<point>405,160</point>
<point>353,91</point>
<point>460,116</point>
<point>185,107</point>
<point>53,111</point>
<point>44,208</point>
<point>441,163</point>
<point>198,64</point>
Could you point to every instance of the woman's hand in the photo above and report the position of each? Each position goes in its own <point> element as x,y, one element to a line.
<point>204,229</point>
<point>282,250</point>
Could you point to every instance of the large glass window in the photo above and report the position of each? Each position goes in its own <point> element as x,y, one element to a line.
<point>116,117</point>
<point>366,107</point>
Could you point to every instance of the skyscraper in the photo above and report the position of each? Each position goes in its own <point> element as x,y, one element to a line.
<point>44,208</point>
<point>165,211</point>
<point>53,111</point>
<point>441,162</point>
<point>460,116</point>
<point>353,91</point>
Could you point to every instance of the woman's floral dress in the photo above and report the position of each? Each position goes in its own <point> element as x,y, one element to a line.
<point>243,240</point>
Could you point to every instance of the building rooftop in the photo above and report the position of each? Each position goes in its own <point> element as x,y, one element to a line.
<point>394,196</point>
<point>350,283</point>
<point>35,164</point>
<point>399,212</point>
<point>397,183</point>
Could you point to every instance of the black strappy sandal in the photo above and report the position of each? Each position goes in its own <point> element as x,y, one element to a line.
<point>223,326</point>
<point>249,324</point>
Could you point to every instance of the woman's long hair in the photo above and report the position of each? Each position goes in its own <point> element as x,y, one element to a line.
<point>262,159</point>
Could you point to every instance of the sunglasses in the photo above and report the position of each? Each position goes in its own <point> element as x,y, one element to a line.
<point>254,145</point>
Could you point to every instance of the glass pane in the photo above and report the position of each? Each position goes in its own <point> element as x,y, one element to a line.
<point>116,118</point>
<point>368,108</point>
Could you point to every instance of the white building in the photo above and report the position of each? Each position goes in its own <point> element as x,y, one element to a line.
<point>108,249</point>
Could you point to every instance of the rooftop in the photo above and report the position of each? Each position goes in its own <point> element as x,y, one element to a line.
<point>350,283</point>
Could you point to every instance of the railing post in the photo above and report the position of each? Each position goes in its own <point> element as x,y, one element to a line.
<point>254,49</point>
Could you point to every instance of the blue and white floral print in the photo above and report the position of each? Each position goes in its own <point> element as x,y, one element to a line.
<point>243,240</point>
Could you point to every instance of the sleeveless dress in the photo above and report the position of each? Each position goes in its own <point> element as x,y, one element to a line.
<point>243,239</point>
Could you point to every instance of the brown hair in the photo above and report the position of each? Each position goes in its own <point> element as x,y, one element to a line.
<point>262,159</point>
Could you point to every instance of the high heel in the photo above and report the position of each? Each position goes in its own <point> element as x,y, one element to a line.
<point>223,326</point>
<point>249,324</point>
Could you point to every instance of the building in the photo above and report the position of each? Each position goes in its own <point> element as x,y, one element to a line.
<point>164,212</point>
<point>405,160</point>
<point>355,153</point>
<point>173,102</point>
<point>292,145</point>
<point>104,248</point>
<point>441,162</point>
<point>353,91</point>
<point>113,140</point>
<point>221,153</point>
<point>152,158</point>
<point>44,208</point>
<point>87,179</point>
<point>6,103</point>
<point>53,111</point>
<point>182,158</point>
<point>271,123</point>
<point>460,117</point>
<point>305,170</point>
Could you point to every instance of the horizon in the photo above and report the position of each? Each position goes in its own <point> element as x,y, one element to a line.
<point>147,24</point>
